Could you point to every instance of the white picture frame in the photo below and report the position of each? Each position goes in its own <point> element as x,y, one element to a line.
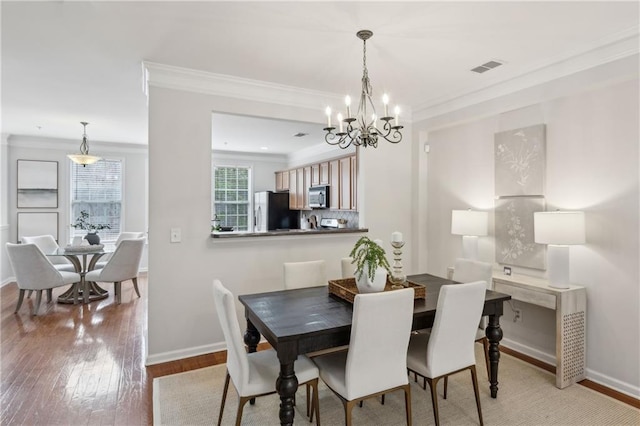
<point>37,186</point>
<point>37,223</point>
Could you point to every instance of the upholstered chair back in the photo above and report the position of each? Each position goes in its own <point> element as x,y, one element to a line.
<point>348,268</point>
<point>305,274</point>
<point>124,263</point>
<point>47,244</point>
<point>32,269</point>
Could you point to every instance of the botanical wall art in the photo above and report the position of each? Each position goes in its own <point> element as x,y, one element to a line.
<point>514,232</point>
<point>520,156</point>
<point>32,224</point>
<point>37,184</point>
<point>520,161</point>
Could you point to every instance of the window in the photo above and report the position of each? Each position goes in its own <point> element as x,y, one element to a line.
<point>97,188</point>
<point>231,196</point>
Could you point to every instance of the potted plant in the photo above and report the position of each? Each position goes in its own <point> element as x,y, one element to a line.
<point>371,265</point>
<point>83,222</point>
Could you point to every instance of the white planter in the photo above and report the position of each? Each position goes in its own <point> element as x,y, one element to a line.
<point>365,285</point>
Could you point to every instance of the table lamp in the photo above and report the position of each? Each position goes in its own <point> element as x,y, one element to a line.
<point>558,230</point>
<point>471,225</point>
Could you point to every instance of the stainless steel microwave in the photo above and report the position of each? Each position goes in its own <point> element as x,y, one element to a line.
<point>319,197</point>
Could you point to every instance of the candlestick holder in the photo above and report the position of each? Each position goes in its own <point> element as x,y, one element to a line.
<point>398,279</point>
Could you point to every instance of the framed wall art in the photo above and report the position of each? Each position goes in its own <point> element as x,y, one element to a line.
<point>37,184</point>
<point>520,161</point>
<point>36,223</point>
<point>514,232</point>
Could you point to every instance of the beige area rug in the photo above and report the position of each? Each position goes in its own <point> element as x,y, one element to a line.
<point>527,396</point>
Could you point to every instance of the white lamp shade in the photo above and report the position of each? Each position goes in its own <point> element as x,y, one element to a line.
<point>561,228</point>
<point>469,222</point>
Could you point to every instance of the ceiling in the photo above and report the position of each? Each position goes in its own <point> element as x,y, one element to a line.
<point>64,61</point>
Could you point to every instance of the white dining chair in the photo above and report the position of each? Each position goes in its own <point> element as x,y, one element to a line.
<point>348,268</point>
<point>48,244</point>
<point>465,271</point>
<point>123,266</point>
<point>376,361</point>
<point>305,274</point>
<point>123,236</point>
<point>448,348</point>
<point>35,272</point>
<point>255,374</point>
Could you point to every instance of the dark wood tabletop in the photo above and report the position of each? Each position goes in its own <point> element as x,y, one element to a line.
<point>304,320</point>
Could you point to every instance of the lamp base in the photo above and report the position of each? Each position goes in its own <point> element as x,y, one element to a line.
<point>470,247</point>
<point>558,259</point>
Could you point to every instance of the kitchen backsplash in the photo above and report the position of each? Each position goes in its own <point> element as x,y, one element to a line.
<point>350,217</point>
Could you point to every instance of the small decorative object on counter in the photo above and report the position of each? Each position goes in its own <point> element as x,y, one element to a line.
<point>215,223</point>
<point>83,222</point>
<point>371,265</point>
<point>398,279</point>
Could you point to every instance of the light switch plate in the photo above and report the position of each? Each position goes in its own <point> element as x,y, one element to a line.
<point>175,235</point>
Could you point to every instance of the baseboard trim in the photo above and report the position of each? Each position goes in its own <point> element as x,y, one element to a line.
<point>605,390</point>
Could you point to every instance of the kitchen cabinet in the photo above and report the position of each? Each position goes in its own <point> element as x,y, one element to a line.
<point>334,183</point>
<point>306,184</point>
<point>293,187</point>
<point>315,174</point>
<point>324,173</point>
<point>282,181</point>
<point>345,183</point>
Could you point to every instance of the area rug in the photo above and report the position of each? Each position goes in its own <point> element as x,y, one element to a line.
<point>527,396</point>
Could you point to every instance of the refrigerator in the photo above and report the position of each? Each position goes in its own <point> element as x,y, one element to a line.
<point>271,212</point>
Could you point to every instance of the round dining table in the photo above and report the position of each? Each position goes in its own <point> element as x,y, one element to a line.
<point>88,291</point>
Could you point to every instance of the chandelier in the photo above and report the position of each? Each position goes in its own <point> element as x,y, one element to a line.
<point>84,158</point>
<point>361,129</point>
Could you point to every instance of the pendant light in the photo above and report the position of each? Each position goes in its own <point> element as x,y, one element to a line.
<point>84,158</point>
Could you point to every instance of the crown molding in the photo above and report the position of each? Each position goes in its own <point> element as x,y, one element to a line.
<point>221,156</point>
<point>612,48</point>
<point>39,142</point>
<point>178,78</point>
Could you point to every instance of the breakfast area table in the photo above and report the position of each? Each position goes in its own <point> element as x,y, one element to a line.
<point>300,321</point>
<point>84,259</point>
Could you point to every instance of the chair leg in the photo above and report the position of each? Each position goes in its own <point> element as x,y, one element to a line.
<point>49,295</point>
<point>135,285</point>
<point>485,344</point>
<point>76,292</point>
<point>118,290</point>
<point>29,294</point>
<point>446,385</point>
<point>407,403</point>
<point>308,407</point>
<point>348,406</point>
<point>433,383</point>
<point>224,398</point>
<point>38,300</point>
<point>243,400</point>
<point>474,379</point>
<point>20,299</point>
<point>315,404</point>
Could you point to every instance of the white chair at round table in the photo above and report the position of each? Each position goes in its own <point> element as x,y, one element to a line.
<point>34,271</point>
<point>123,265</point>
<point>48,244</point>
<point>123,236</point>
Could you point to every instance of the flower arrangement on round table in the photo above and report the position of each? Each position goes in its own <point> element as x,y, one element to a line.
<point>83,222</point>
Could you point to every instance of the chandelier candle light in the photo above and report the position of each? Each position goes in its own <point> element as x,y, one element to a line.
<point>361,129</point>
<point>84,158</point>
<point>398,279</point>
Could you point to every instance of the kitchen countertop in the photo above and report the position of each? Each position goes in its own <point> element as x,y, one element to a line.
<point>288,232</point>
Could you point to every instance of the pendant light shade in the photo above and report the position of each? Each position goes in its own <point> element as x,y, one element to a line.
<point>83,157</point>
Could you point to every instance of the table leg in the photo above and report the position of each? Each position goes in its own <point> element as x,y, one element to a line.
<point>251,339</point>
<point>286,385</point>
<point>494,334</point>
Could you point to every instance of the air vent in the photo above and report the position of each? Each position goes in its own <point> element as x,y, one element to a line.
<point>300,134</point>
<point>486,67</point>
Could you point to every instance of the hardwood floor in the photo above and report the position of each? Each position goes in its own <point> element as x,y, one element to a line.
<point>76,364</point>
<point>84,364</point>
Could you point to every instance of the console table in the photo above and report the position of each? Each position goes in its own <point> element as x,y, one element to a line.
<point>571,319</point>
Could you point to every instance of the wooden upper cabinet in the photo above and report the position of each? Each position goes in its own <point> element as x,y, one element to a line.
<point>315,174</point>
<point>282,181</point>
<point>300,190</point>
<point>345,184</point>
<point>293,185</point>
<point>354,183</point>
<point>305,187</point>
<point>334,183</point>
<point>324,173</point>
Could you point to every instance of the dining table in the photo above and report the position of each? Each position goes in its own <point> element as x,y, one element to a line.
<point>84,259</point>
<point>296,322</point>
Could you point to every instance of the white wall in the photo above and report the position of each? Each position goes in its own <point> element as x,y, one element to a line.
<point>182,320</point>
<point>49,149</point>
<point>592,165</point>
